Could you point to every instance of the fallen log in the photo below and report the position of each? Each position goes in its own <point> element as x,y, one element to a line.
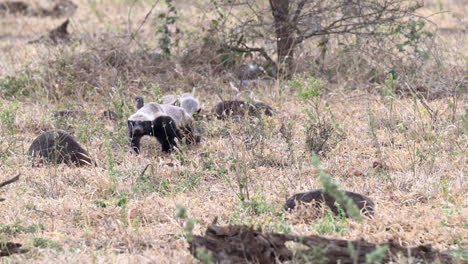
<point>242,244</point>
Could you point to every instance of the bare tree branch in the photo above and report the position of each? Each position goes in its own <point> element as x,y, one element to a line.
<point>248,49</point>
<point>10,181</point>
<point>298,11</point>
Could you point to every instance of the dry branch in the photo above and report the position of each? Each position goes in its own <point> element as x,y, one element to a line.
<point>246,49</point>
<point>10,181</point>
<point>242,244</point>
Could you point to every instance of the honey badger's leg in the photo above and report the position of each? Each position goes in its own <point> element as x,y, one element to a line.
<point>135,133</point>
<point>165,130</point>
<point>135,144</point>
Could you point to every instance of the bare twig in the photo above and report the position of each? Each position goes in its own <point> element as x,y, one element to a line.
<point>297,13</point>
<point>423,102</point>
<point>134,34</point>
<point>10,181</point>
<point>249,49</point>
<point>144,170</point>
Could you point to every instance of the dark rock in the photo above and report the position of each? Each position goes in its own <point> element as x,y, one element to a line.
<point>9,248</point>
<point>240,108</point>
<point>61,8</point>
<point>67,113</point>
<point>58,35</point>
<point>57,146</point>
<point>364,203</point>
<point>13,7</point>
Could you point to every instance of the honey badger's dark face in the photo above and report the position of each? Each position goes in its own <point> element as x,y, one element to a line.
<point>140,128</point>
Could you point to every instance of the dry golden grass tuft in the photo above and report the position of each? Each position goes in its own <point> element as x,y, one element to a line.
<point>124,209</point>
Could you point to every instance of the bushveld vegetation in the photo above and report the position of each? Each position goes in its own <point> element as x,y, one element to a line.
<point>376,102</point>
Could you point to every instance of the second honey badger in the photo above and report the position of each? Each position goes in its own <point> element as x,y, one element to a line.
<point>186,100</point>
<point>163,121</point>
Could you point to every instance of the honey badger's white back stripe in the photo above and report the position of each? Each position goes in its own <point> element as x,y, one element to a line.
<point>169,99</point>
<point>151,111</point>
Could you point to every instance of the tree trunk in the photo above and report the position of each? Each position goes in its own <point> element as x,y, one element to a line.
<point>284,36</point>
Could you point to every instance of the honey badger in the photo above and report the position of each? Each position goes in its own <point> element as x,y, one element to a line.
<point>190,103</point>
<point>163,121</point>
<point>186,100</point>
<point>239,108</point>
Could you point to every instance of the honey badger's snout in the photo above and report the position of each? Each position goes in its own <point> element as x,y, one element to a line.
<point>138,130</point>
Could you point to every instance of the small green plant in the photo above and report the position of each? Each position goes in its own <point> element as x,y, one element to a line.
<point>331,223</point>
<point>277,224</point>
<point>118,101</point>
<point>322,134</point>
<point>151,183</point>
<point>204,256</point>
<point>390,84</point>
<point>156,91</point>
<point>8,139</point>
<point>189,224</point>
<point>165,31</point>
<point>101,203</point>
<point>257,205</point>
<point>242,179</point>
<point>111,169</point>
<point>18,228</point>
<point>307,89</point>
<point>460,253</point>
<point>46,243</point>
<point>413,33</point>
<point>315,254</point>
<point>181,151</point>
<point>188,180</point>
<point>464,119</point>
<point>7,118</point>
<point>384,174</point>
<point>87,129</point>
<point>122,201</point>
<point>332,188</point>
<point>20,85</point>
<point>377,256</point>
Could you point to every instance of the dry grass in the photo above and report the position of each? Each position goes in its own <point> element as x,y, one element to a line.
<point>114,213</point>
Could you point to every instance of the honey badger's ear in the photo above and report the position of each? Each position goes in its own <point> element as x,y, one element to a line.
<point>140,101</point>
